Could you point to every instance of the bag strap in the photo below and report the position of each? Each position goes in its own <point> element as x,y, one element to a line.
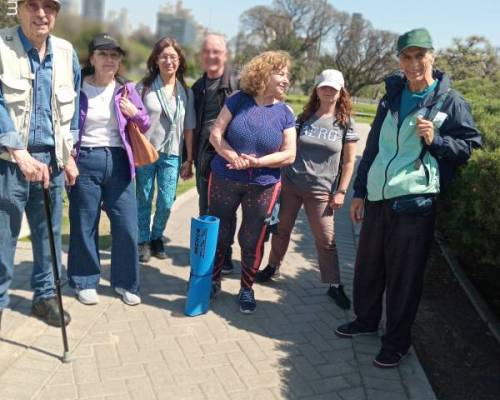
<point>236,108</point>
<point>430,115</point>
<point>344,136</point>
<point>432,112</point>
<point>125,92</point>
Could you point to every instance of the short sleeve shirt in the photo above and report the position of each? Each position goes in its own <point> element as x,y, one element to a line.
<point>319,148</point>
<point>256,130</point>
<point>159,132</point>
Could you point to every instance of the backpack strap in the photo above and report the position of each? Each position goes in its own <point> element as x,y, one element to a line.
<point>341,160</point>
<point>429,116</point>
<point>238,104</point>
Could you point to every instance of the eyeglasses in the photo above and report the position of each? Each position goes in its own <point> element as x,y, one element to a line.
<point>167,57</point>
<point>48,8</point>
<point>114,55</point>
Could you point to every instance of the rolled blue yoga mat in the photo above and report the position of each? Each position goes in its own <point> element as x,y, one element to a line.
<point>204,231</point>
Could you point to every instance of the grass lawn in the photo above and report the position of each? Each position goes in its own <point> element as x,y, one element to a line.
<point>298,101</point>
<point>104,225</point>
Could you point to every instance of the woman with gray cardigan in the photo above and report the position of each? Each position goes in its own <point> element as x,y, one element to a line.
<point>170,104</point>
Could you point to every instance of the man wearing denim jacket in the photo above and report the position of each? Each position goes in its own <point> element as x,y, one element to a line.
<point>39,85</point>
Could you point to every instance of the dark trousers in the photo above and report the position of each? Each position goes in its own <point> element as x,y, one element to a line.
<point>202,188</point>
<point>392,254</point>
<point>104,179</point>
<point>256,202</point>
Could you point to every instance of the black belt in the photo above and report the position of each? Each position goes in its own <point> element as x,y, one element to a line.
<point>40,149</point>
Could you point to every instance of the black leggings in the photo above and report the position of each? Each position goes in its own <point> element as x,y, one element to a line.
<point>225,196</point>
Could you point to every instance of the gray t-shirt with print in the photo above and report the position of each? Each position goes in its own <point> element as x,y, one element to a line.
<point>319,148</point>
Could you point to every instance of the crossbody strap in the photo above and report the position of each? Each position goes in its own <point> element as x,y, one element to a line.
<point>341,160</point>
<point>430,115</point>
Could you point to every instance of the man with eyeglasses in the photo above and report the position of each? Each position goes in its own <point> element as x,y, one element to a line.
<point>39,86</point>
<point>210,93</point>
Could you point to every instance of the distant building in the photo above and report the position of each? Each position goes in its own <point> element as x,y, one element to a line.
<point>119,23</point>
<point>177,22</point>
<point>70,7</point>
<point>93,10</point>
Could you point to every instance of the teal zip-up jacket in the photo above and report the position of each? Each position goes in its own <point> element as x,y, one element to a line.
<point>389,166</point>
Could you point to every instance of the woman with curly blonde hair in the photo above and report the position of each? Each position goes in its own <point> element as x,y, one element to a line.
<point>318,178</point>
<point>254,136</point>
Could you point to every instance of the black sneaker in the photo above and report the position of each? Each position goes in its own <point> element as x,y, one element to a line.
<point>216,289</point>
<point>157,249</point>
<point>48,311</point>
<point>267,274</point>
<point>247,302</point>
<point>352,329</point>
<point>388,358</point>
<point>339,296</point>
<point>144,252</point>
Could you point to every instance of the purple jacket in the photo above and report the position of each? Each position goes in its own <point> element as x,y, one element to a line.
<point>141,119</point>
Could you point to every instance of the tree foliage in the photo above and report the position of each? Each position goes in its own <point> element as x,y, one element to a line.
<point>5,19</point>
<point>469,216</point>
<point>472,57</point>
<point>364,55</point>
<point>318,36</point>
<point>295,26</point>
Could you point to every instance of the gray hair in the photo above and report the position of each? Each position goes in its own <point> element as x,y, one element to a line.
<point>217,37</point>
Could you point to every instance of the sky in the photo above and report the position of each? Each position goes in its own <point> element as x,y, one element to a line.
<point>445,19</point>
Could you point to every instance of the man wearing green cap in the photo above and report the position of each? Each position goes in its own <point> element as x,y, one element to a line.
<point>422,132</point>
<point>39,86</point>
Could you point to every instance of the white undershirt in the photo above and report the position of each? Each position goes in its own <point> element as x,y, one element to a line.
<point>101,125</point>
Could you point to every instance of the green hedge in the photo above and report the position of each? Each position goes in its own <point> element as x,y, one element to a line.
<point>470,211</point>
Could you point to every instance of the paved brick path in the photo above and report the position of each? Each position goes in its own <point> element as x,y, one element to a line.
<point>286,350</point>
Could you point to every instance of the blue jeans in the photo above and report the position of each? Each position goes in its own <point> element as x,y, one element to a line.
<point>104,180</point>
<point>17,196</point>
<point>166,172</point>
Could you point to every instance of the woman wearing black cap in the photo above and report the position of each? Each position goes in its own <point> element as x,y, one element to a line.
<point>106,164</point>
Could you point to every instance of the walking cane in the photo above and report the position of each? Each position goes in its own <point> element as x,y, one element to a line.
<point>55,271</point>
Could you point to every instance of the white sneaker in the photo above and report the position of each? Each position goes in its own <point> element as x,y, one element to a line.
<point>87,296</point>
<point>128,298</point>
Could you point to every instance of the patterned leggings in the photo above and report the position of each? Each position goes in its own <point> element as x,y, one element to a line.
<point>166,173</point>
<point>225,196</point>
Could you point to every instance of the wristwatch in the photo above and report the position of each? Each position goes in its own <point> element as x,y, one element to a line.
<point>343,191</point>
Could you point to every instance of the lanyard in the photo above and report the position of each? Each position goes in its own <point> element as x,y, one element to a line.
<point>172,117</point>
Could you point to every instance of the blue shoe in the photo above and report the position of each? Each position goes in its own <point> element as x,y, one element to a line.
<point>247,301</point>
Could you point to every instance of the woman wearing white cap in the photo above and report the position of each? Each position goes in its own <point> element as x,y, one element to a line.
<point>318,178</point>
